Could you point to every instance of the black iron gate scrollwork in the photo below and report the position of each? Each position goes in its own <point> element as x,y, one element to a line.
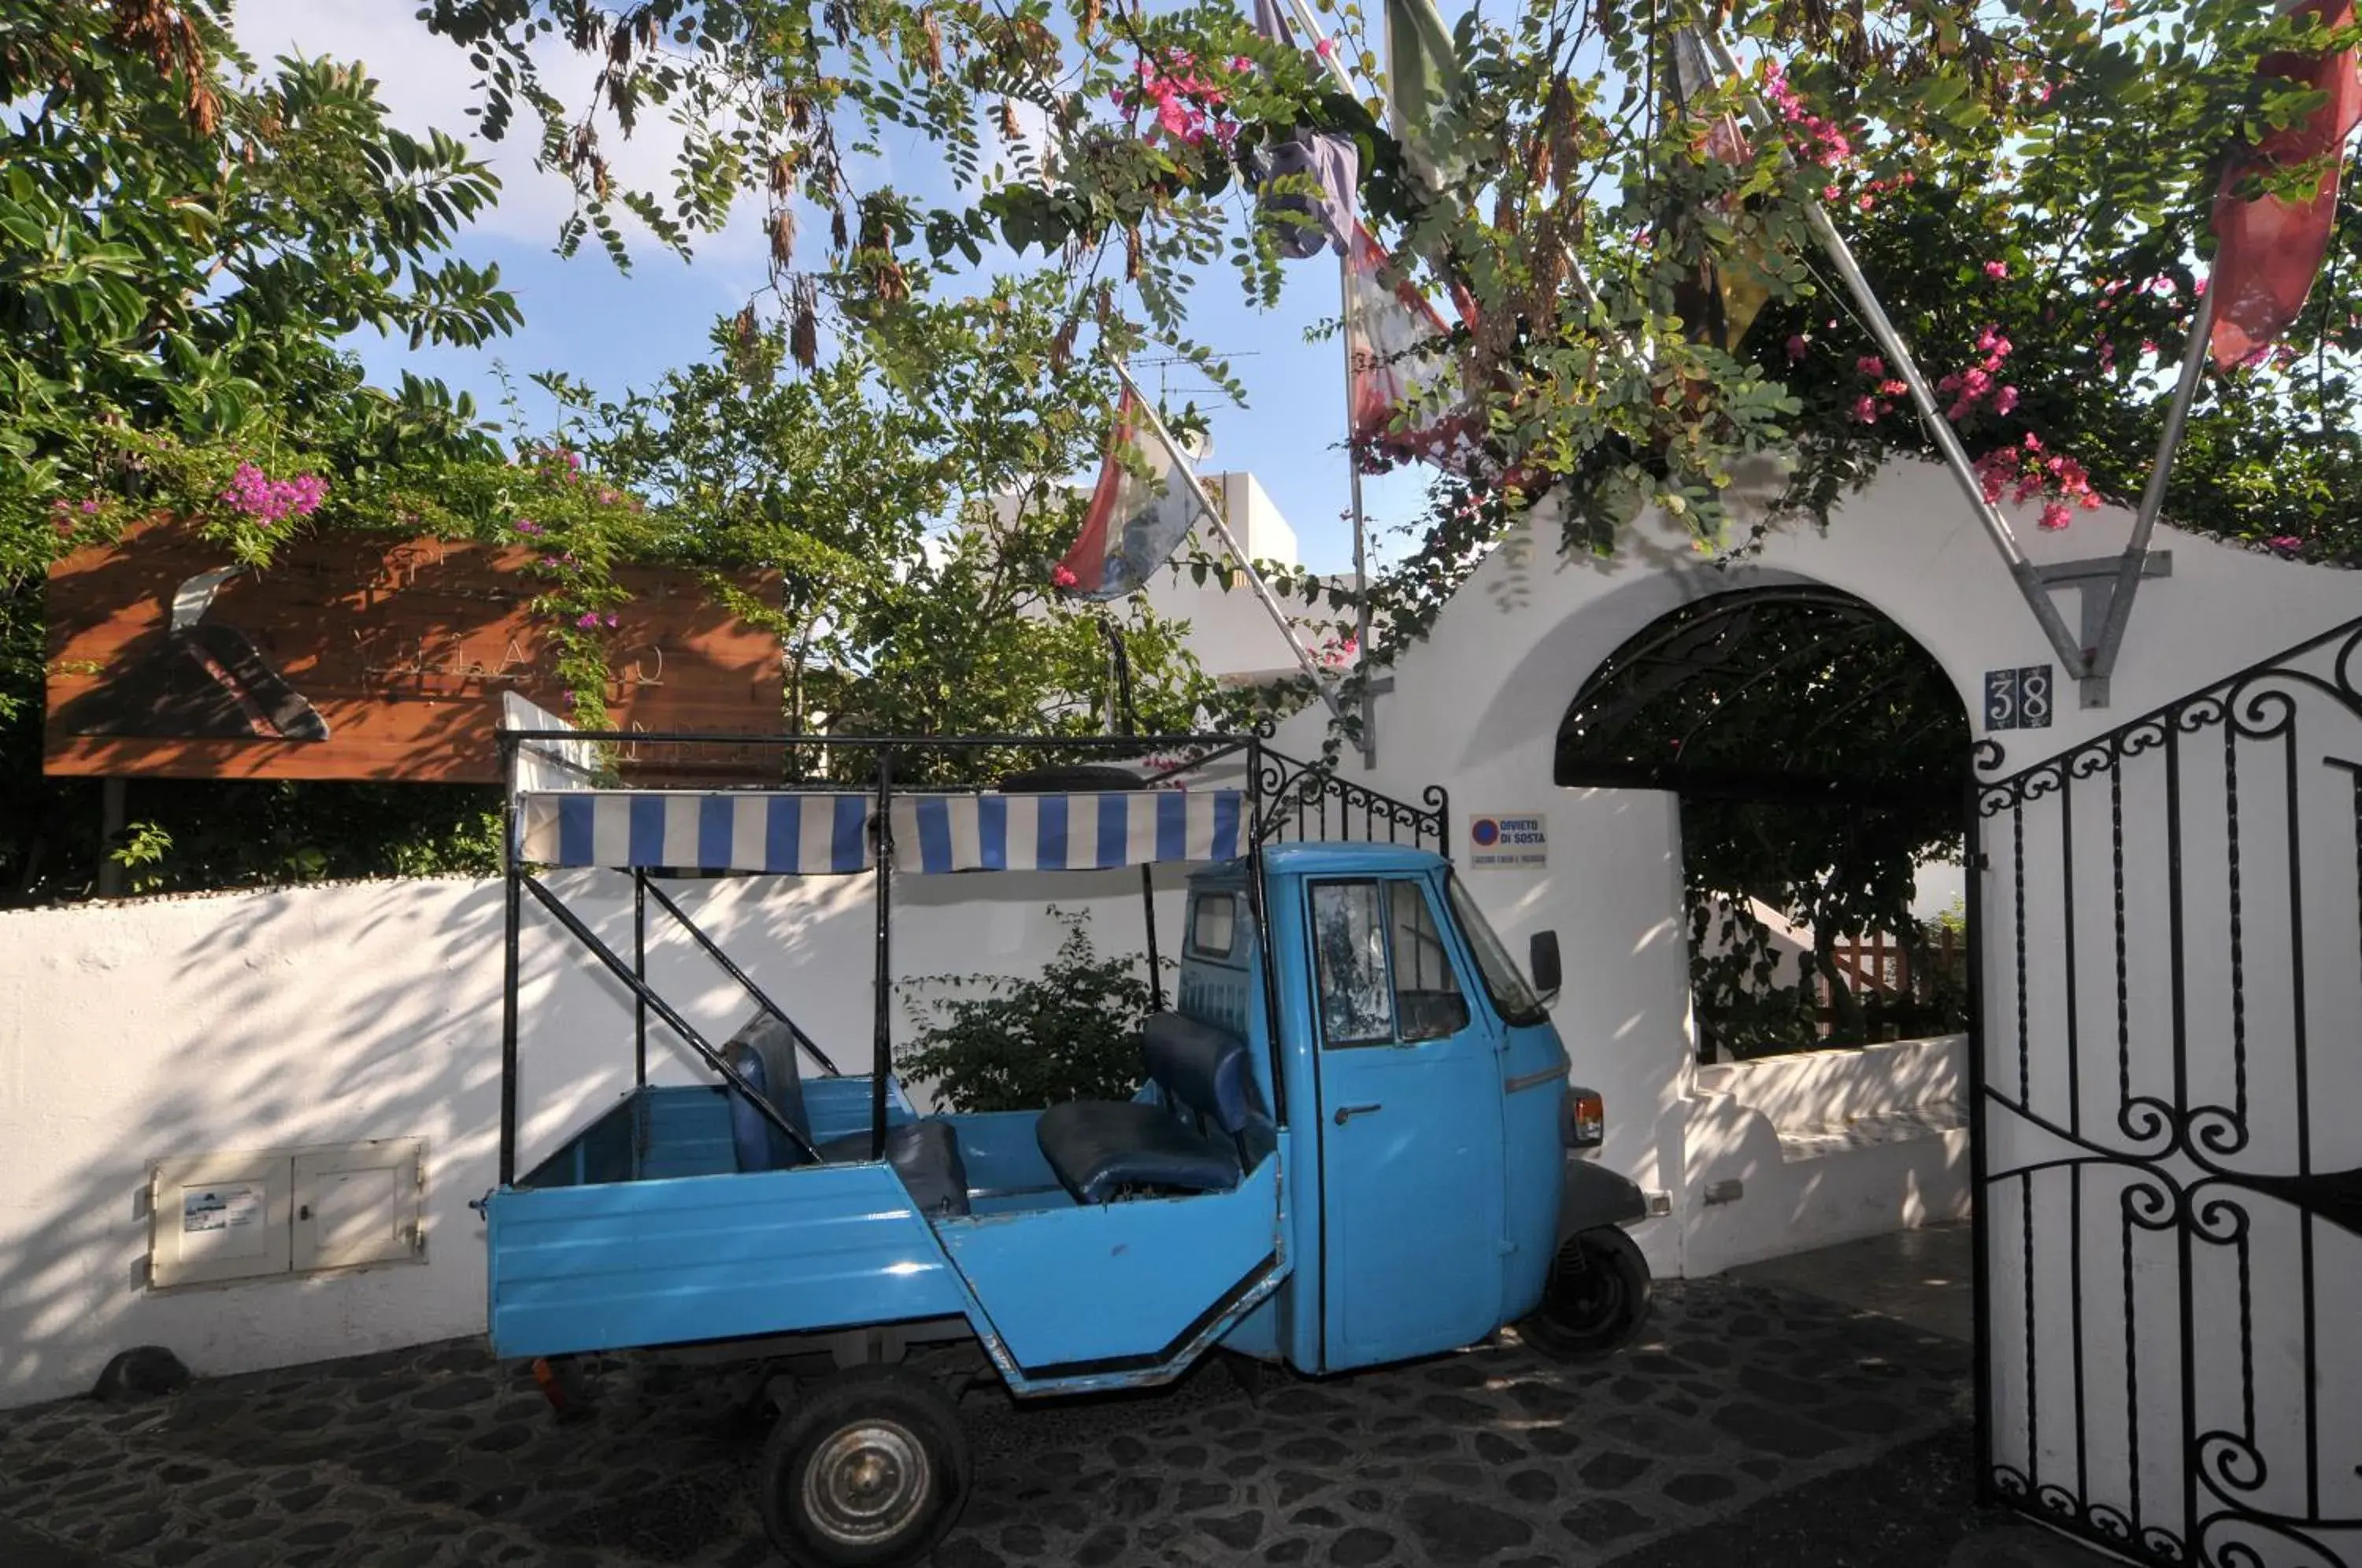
<point>1309,800</point>
<point>2169,1145</point>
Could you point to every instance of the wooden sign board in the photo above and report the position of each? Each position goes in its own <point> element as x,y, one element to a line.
<point>356,657</point>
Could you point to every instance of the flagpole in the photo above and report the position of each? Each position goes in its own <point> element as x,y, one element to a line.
<point>1262,590</point>
<point>1344,79</point>
<point>1947,440</point>
<point>2152,502</point>
<point>1361,532</point>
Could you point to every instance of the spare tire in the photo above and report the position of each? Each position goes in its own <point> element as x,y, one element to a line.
<point>1075,776</point>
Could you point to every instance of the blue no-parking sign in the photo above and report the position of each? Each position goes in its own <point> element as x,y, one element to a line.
<point>1507,839</point>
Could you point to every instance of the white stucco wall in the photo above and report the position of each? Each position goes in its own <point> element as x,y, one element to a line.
<point>1477,708</point>
<point>139,1030</point>
<point>1793,1199</point>
<point>133,1032</point>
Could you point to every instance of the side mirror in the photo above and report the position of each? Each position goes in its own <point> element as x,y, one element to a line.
<point>1542,962</point>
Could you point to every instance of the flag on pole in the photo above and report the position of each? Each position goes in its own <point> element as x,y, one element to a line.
<point>1309,221</point>
<point>1722,302</point>
<point>1423,72</point>
<point>1135,522</point>
<point>1400,353</point>
<point>2269,250</point>
<point>1322,217</point>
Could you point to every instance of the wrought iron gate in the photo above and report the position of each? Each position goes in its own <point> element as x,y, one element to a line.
<point>2170,1150</point>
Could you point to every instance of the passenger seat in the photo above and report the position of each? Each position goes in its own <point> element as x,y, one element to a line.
<point>925,1154</point>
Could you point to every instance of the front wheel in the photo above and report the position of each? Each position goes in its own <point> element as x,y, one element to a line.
<point>868,1470</point>
<point>1597,1298</point>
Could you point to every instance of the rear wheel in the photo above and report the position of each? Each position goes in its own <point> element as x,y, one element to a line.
<point>1597,1298</point>
<point>868,1470</point>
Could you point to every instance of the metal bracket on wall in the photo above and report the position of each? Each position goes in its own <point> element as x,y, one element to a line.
<point>2095,581</point>
<point>1378,688</point>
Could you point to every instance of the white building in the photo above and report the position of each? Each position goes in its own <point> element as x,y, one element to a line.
<point>1231,633</point>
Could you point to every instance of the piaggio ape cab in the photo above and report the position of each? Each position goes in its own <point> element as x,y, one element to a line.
<point>1354,1142</point>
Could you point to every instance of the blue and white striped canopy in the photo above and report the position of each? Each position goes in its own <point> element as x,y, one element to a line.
<point>816,834</point>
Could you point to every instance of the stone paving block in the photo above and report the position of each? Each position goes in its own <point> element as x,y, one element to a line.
<point>23,1547</point>
<point>1490,1458</point>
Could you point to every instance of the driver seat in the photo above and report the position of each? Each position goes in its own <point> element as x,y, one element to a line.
<point>1200,1135</point>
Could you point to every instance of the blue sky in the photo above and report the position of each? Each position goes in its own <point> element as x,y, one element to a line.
<point>615,331</point>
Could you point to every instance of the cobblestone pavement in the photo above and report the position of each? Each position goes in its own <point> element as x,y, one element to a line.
<point>1492,1457</point>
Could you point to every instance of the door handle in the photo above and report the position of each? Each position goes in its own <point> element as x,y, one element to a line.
<point>1347,1112</point>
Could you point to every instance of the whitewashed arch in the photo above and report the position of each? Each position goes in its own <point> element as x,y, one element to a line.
<point>1477,705</point>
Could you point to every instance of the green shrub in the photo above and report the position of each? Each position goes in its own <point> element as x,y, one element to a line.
<point>1070,1033</point>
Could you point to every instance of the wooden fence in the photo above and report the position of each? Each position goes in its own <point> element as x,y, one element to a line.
<point>1898,997</point>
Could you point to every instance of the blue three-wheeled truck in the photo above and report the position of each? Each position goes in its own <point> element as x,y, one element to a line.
<point>1354,1141</point>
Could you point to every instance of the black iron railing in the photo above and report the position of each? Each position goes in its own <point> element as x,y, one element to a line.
<point>1309,803</point>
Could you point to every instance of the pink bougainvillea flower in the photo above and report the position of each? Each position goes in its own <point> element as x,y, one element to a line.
<point>1325,48</point>
<point>2004,400</point>
<point>1869,365</point>
<point>1996,268</point>
<point>1865,409</point>
<point>2288,542</point>
<point>588,620</point>
<point>90,508</point>
<point>267,500</point>
<point>611,619</point>
<point>1798,344</point>
<point>527,526</point>
<point>1063,577</point>
<point>2024,473</point>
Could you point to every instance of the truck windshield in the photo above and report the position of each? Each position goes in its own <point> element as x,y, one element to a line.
<point>1504,982</point>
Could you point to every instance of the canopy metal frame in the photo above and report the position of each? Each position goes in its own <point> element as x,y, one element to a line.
<point>1275,787</point>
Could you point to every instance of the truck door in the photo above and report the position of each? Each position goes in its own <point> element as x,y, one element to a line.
<point>1410,1128</point>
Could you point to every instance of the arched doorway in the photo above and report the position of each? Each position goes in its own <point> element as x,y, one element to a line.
<point>1821,757</point>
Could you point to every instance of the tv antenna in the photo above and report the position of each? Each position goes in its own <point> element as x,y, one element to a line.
<point>1164,364</point>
